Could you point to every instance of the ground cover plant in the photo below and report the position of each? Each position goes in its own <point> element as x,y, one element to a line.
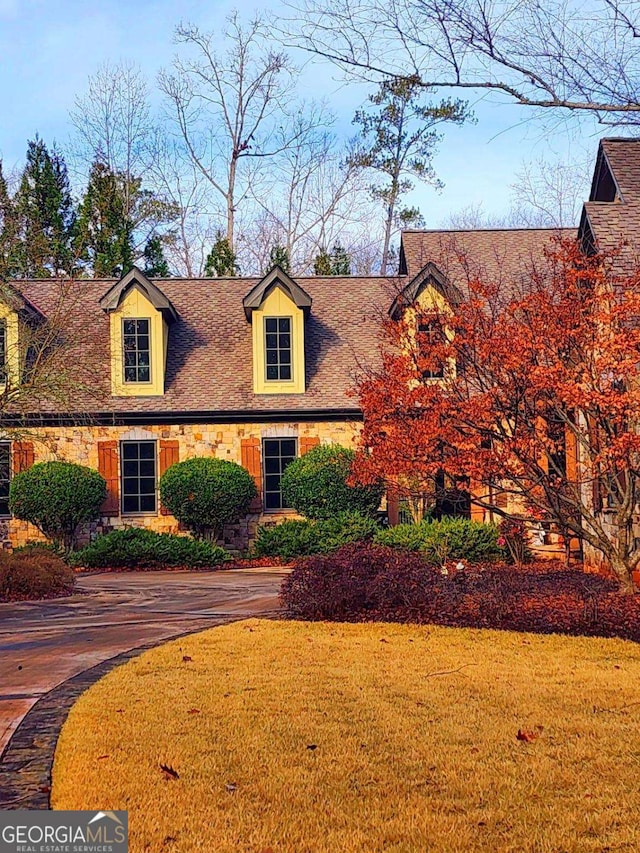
<point>297,538</point>
<point>34,572</point>
<point>137,548</point>
<point>368,583</point>
<point>317,484</point>
<point>451,538</point>
<point>291,736</point>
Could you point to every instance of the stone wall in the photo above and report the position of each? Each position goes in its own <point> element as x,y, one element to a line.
<point>80,444</point>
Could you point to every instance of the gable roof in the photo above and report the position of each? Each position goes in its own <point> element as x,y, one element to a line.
<point>617,163</point>
<point>17,301</point>
<point>136,278</point>
<point>429,275</point>
<point>276,277</point>
<point>501,256</point>
<point>209,351</point>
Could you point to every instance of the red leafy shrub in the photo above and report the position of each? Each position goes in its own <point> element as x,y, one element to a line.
<point>367,582</point>
<point>32,573</point>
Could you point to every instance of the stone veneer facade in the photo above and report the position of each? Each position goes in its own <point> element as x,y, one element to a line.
<point>80,444</point>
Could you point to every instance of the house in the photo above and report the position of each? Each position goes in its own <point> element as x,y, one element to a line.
<point>252,370</point>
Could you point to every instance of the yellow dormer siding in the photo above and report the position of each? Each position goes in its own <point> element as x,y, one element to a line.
<point>278,305</point>
<point>136,306</point>
<point>11,368</point>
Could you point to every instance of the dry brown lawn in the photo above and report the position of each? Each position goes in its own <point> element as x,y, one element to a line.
<point>323,738</point>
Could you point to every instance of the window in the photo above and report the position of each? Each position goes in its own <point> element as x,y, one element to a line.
<point>5,477</point>
<point>138,477</point>
<point>277,335</point>
<point>277,453</point>
<point>136,345</point>
<point>432,336</point>
<point>3,351</point>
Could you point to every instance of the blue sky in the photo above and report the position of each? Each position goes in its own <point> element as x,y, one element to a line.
<point>49,48</point>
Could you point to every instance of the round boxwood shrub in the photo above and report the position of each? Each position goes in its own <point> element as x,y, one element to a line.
<point>315,485</point>
<point>205,493</point>
<point>57,497</point>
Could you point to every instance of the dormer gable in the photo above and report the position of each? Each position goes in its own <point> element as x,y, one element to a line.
<point>276,308</point>
<point>429,288</point>
<point>604,186</point>
<point>276,278</point>
<point>139,318</point>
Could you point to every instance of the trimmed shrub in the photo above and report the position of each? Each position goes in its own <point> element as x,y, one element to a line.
<point>344,585</point>
<point>451,539</point>
<point>138,548</point>
<point>57,497</point>
<point>34,572</point>
<point>205,493</point>
<point>300,538</point>
<point>315,484</point>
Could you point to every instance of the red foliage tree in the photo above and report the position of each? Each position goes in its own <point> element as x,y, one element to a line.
<point>520,381</point>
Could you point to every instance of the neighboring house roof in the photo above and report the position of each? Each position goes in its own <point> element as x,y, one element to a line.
<point>499,256</point>
<point>209,354</point>
<point>611,218</point>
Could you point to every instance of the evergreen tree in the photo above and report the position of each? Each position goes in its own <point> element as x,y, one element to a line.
<point>340,261</point>
<point>104,231</point>
<point>155,263</point>
<point>322,263</point>
<point>8,232</point>
<point>44,215</point>
<point>221,261</point>
<point>279,257</point>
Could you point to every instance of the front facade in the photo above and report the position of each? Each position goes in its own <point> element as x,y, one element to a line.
<point>256,371</point>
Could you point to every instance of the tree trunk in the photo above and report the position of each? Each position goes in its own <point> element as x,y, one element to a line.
<point>387,240</point>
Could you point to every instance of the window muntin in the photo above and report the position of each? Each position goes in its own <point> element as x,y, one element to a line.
<point>5,477</point>
<point>277,453</point>
<point>139,477</point>
<point>3,351</point>
<point>432,336</point>
<point>136,349</point>
<point>277,340</point>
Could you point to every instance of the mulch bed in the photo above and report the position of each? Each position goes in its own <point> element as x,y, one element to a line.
<point>238,563</point>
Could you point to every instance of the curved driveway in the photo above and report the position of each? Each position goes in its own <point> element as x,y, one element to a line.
<point>45,643</point>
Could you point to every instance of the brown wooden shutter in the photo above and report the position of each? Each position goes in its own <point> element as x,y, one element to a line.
<point>169,455</point>
<point>108,467</point>
<point>250,452</point>
<point>571,453</point>
<point>477,512</point>
<point>23,456</point>
<point>307,442</point>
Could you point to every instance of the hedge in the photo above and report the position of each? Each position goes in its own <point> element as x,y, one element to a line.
<point>138,548</point>
<point>298,538</point>
<point>451,538</point>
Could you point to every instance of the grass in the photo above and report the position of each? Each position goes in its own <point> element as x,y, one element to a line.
<point>415,730</point>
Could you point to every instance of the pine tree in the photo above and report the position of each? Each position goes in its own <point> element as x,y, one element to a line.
<point>104,232</point>
<point>221,261</point>
<point>155,263</point>
<point>322,263</point>
<point>279,257</point>
<point>44,215</point>
<point>8,232</point>
<point>340,261</point>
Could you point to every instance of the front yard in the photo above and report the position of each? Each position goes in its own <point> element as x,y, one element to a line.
<point>291,737</point>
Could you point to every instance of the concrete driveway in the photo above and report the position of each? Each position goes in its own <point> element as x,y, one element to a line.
<point>45,643</point>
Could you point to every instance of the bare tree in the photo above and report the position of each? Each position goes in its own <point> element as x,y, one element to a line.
<point>112,121</point>
<point>228,105</point>
<point>549,194</point>
<point>554,54</point>
<point>312,196</point>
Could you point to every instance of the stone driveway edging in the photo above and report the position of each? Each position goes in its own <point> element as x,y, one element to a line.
<point>26,762</point>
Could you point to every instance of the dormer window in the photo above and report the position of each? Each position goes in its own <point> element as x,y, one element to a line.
<point>278,349</point>
<point>3,351</point>
<point>277,309</point>
<point>136,346</point>
<point>139,318</point>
